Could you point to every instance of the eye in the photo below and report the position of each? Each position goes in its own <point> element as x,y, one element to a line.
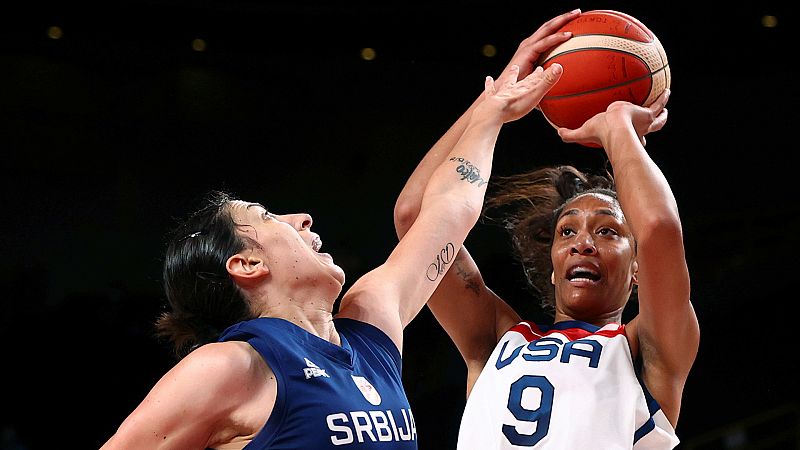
<point>565,231</point>
<point>605,231</point>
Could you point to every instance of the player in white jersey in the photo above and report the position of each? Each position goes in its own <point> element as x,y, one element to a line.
<point>558,381</point>
<point>587,244</point>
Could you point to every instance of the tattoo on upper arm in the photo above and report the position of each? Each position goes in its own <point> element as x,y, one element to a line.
<point>468,171</point>
<point>467,277</point>
<point>439,265</point>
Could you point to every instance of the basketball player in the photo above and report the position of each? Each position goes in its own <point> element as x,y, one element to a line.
<point>251,296</point>
<point>587,380</point>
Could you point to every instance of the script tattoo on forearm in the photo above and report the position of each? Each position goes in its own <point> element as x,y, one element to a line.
<point>439,265</point>
<point>468,171</point>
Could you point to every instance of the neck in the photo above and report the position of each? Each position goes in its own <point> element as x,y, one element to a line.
<point>598,320</point>
<point>316,317</point>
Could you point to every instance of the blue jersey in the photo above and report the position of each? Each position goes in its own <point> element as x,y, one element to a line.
<point>331,397</point>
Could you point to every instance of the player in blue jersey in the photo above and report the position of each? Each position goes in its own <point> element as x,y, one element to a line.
<point>586,243</point>
<point>270,365</point>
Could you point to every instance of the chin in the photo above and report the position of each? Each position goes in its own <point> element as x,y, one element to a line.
<point>585,301</point>
<point>340,277</point>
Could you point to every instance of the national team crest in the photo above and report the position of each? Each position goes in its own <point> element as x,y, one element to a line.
<point>368,390</point>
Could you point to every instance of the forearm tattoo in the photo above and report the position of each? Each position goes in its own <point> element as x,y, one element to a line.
<point>439,265</point>
<point>468,171</point>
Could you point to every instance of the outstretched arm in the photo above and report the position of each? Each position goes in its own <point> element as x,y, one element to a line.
<point>666,331</point>
<point>470,313</point>
<point>392,295</point>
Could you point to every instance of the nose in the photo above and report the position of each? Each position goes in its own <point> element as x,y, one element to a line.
<point>583,244</point>
<point>302,221</point>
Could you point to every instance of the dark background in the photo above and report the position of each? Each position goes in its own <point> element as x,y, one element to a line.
<point>115,129</point>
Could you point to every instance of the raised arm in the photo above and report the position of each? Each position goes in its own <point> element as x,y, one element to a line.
<point>392,295</point>
<point>666,329</point>
<point>471,313</point>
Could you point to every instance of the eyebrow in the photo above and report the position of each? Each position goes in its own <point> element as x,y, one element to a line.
<point>256,204</point>
<point>604,211</point>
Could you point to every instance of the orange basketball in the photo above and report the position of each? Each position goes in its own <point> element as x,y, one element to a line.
<point>611,56</point>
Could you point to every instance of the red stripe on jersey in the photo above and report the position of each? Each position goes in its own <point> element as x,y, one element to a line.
<point>612,333</point>
<point>531,332</point>
<point>528,330</point>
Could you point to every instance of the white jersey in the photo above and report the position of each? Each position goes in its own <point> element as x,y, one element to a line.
<point>571,385</point>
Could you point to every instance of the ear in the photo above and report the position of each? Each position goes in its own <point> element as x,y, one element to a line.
<point>635,267</point>
<point>246,269</point>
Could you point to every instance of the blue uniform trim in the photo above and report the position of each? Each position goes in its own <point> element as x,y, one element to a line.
<point>652,406</point>
<point>648,426</point>
<point>567,324</point>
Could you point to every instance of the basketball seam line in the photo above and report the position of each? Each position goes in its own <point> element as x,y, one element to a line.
<point>617,50</point>
<point>555,97</point>
<point>614,36</point>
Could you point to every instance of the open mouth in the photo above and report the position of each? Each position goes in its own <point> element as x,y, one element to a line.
<point>583,273</point>
<point>316,244</point>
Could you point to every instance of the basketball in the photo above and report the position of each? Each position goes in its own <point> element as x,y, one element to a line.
<point>611,56</point>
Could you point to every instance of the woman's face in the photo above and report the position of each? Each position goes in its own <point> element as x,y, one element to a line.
<point>289,247</point>
<point>593,257</point>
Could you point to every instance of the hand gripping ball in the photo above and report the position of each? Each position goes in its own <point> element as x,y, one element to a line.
<point>611,56</point>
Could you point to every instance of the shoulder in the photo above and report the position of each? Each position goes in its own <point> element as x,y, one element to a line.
<point>232,383</point>
<point>365,334</point>
<point>208,395</point>
<point>231,355</point>
<point>222,371</point>
<point>632,334</point>
<point>219,361</point>
<point>372,299</point>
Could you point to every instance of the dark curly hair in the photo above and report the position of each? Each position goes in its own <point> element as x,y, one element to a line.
<point>203,298</point>
<point>530,203</point>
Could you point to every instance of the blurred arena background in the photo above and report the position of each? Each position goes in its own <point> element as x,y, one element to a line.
<point>115,118</point>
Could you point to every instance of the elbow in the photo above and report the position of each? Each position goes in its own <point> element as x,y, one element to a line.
<point>665,228</point>
<point>454,214</point>
<point>453,210</point>
<point>405,214</point>
<point>470,212</point>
